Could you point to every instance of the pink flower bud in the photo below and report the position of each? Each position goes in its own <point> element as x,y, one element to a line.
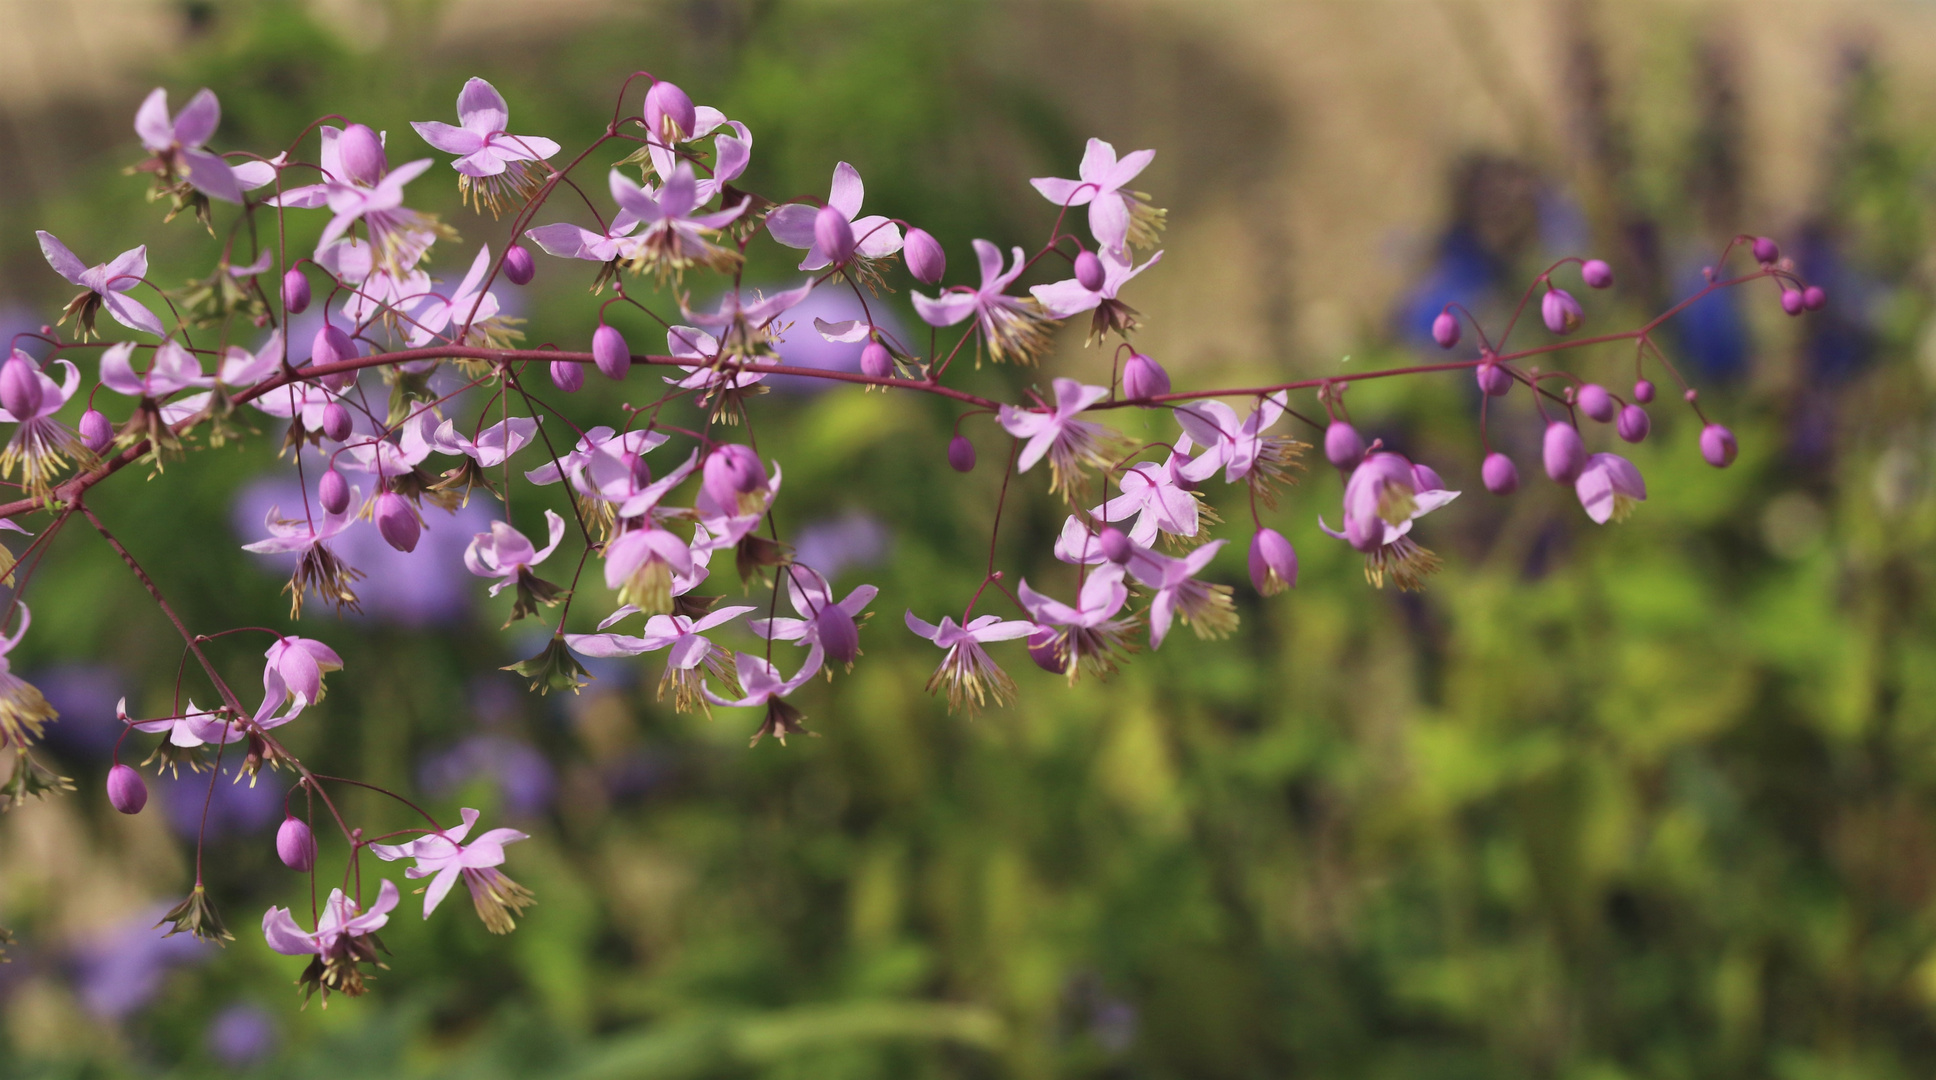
<point>1089,271</point>
<point>1644,392</point>
<point>667,106</point>
<point>833,234</point>
<point>1343,446</point>
<point>296,845</point>
<point>610,351</point>
<point>1560,311</point>
<point>518,265</point>
<point>1765,250</point>
<point>1634,423</point>
<point>295,291</point>
<point>397,522</point>
<point>731,471</point>
<point>1596,402</point>
<point>1115,544</point>
<point>876,362</point>
<point>567,376</point>
<point>748,473</point>
<point>1565,454</point>
<point>1445,329</point>
<point>1718,446</point>
<point>330,345</point>
<point>1045,648</point>
<point>333,491</point>
<point>336,421</point>
<point>1143,377</point>
<point>96,432</point>
<point>1690,395</point>
<point>1813,298</point>
<point>1501,476</point>
<point>1493,380</point>
<point>1596,273</point>
<point>1273,562</point>
<point>361,153</point>
<point>127,792</point>
<point>838,634</point>
<point>925,259</point>
<point>20,387</point>
<point>1791,301</point>
<point>961,454</point>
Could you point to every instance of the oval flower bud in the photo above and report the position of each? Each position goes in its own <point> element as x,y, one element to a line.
<point>1501,476</point>
<point>336,421</point>
<point>610,352</point>
<point>127,792</point>
<point>876,362</point>
<point>1791,301</point>
<point>833,234</point>
<point>330,345</point>
<point>1493,380</point>
<point>1596,402</point>
<point>1115,544</point>
<point>1343,446</point>
<point>333,491</point>
<point>1273,562</point>
<point>1596,273</point>
<point>1718,446</point>
<point>1143,377</point>
<point>518,265</point>
<point>295,291</point>
<point>1644,391</point>
<point>669,112</point>
<point>1560,311</point>
<point>296,844</point>
<point>1045,648</point>
<point>96,432</point>
<point>961,454</point>
<point>1089,273</point>
<point>1813,298</point>
<point>1445,329</point>
<point>567,376</point>
<point>397,522</point>
<point>1634,423</point>
<point>838,633</point>
<point>925,259</point>
<point>361,152</point>
<point>20,387</point>
<point>1565,454</point>
<point>1765,250</point>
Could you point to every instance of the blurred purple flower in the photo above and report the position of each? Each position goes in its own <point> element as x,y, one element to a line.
<point>121,968</point>
<point>525,781</point>
<point>853,540</point>
<point>806,347</point>
<point>241,1035</point>
<point>235,808</point>
<point>84,695</point>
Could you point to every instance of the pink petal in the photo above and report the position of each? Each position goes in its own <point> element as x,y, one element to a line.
<point>212,176</point>
<point>1098,161</point>
<point>1064,192</point>
<point>64,262</point>
<point>151,121</point>
<point>197,121</point>
<point>792,225</point>
<point>480,108</point>
<point>451,140</point>
<point>847,191</point>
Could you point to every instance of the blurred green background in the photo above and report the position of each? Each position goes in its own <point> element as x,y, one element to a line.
<point>1649,800</point>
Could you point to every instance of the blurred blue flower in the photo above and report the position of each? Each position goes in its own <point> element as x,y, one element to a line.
<point>1463,273</point>
<point>1713,333</point>
<point>121,969</point>
<point>234,808</point>
<point>241,1035</point>
<point>853,540</point>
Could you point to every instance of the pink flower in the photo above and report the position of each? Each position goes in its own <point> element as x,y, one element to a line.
<point>491,161</point>
<point>1091,634</point>
<point>595,442</point>
<point>174,368</point>
<point>763,686</point>
<point>823,622</point>
<point>1609,488</point>
<point>692,343</point>
<point>107,285</point>
<point>732,150</point>
<point>744,329</point>
<point>972,678</point>
<point>342,940</point>
<point>359,185</point>
<point>674,237</point>
<point>640,564</point>
<point>1240,449</point>
<point>492,445</point>
<point>1150,493</point>
<point>685,636</point>
<point>241,368</point>
<point>568,241</point>
<point>505,554</point>
<point>1385,494</point>
<point>179,145</point>
<point>318,569</point>
<point>1206,608</point>
<point>1068,443</point>
<point>443,857</point>
<point>875,237</point>
<point>1115,216</point>
<point>41,446</point>
<point>469,311</point>
<point>23,710</point>
<point>1072,297</point>
<point>1012,327</point>
<point>301,663</point>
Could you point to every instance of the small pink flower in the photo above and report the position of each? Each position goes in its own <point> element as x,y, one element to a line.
<point>763,685</point>
<point>301,663</point>
<point>492,162</point>
<point>107,285</point>
<point>1069,443</point>
<point>1609,488</point>
<point>1208,609</point>
<point>1013,328</point>
<point>875,237</point>
<point>1090,632</point>
<point>504,553</point>
<point>443,857</point>
<point>972,678</point>
<point>684,636</point>
<point>1116,216</point>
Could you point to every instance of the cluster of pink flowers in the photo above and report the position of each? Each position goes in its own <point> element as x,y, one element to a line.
<point>653,505</point>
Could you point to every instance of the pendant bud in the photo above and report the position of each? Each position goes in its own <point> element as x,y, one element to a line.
<point>1273,562</point>
<point>961,454</point>
<point>1445,329</point>
<point>96,431</point>
<point>1596,273</point>
<point>1115,545</point>
<point>610,352</point>
<point>1493,380</point>
<point>1089,273</point>
<point>1343,446</point>
<point>1644,392</point>
<point>833,234</point>
<point>1144,378</point>
<point>333,491</point>
<point>127,792</point>
<point>669,113</point>
<point>397,521</point>
<point>876,362</point>
<point>1561,313</point>
<point>1718,446</point>
<point>1791,301</point>
<point>296,844</point>
<point>1634,423</point>
<point>925,259</point>
<point>295,291</point>
<point>1766,251</point>
<point>20,392</point>
<point>1501,476</point>
<point>1596,402</point>
<point>518,265</point>
<point>361,153</point>
<point>567,376</point>
<point>336,421</point>
<point>1565,454</point>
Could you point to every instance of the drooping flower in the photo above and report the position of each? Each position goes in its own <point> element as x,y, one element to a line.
<point>301,663</point>
<point>179,146</point>
<point>1273,562</point>
<point>1609,488</point>
<point>505,554</point>
<point>359,185</point>
<point>470,315</point>
<point>1069,443</point>
<point>1381,500</point>
<point>1151,495</point>
<point>492,164</point>
<point>342,942</point>
<point>42,447</point>
<point>732,150</point>
<point>763,685</point>
<point>318,569</point>
<point>1240,448</point>
<point>745,329</point>
<point>443,857</point>
<point>640,564</point>
<point>1013,328</point>
<point>711,371</point>
<point>823,622</point>
<point>674,237</point>
<point>691,650</point>
<point>1116,217</point>
<point>107,285</point>
<point>24,713</point>
<point>1065,298</point>
<point>875,237</point>
<point>1206,608</point>
<point>1090,634</point>
<point>971,676</point>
